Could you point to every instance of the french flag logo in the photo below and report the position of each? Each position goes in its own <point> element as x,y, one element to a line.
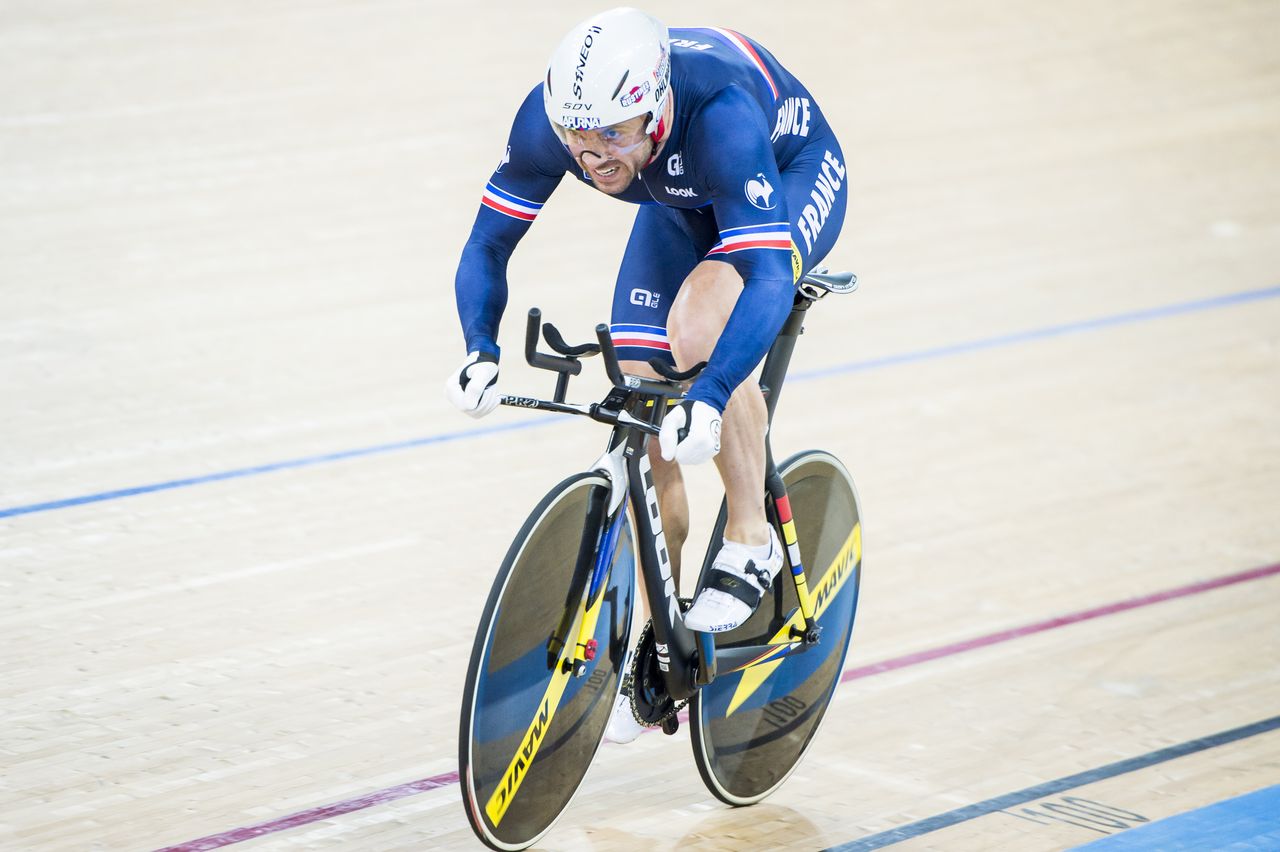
<point>642,336</point>
<point>509,205</point>
<point>744,47</point>
<point>775,235</point>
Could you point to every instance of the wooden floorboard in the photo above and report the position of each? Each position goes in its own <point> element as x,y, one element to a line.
<point>244,541</point>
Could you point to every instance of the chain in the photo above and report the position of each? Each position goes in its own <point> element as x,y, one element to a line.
<point>629,683</point>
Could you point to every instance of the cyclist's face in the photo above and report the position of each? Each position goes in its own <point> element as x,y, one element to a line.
<point>611,156</point>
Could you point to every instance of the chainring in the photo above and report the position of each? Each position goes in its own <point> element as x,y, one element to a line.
<point>651,703</point>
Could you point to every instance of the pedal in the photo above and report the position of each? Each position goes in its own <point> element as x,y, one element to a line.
<point>671,724</point>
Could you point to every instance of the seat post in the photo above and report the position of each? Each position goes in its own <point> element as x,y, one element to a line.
<point>779,357</point>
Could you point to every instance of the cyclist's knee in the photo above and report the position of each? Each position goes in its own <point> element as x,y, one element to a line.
<point>700,311</point>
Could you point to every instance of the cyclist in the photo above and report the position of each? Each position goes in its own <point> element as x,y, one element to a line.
<point>740,184</point>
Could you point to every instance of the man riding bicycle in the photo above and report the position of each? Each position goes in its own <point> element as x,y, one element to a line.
<point>740,184</point>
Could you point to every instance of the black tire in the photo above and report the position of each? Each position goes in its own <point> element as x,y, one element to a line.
<point>523,746</point>
<point>751,728</point>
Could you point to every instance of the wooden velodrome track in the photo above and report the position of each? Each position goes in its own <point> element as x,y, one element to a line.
<point>244,540</point>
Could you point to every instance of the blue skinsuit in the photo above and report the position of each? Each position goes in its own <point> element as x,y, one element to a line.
<point>751,174</point>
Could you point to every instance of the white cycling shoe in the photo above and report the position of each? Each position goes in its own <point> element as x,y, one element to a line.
<point>736,583</point>
<point>623,727</point>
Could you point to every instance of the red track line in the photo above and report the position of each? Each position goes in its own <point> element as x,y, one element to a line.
<point>391,794</point>
<point>1061,621</point>
<point>381,797</point>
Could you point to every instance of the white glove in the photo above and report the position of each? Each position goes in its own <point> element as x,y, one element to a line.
<point>473,387</point>
<point>690,433</point>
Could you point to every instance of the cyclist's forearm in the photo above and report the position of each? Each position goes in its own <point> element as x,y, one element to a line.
<point>755,322</point>
<point>480,288</point>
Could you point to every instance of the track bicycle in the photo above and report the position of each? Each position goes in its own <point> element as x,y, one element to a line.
<point>547,661</point>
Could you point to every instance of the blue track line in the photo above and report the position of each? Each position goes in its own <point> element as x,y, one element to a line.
<point>1049,788</point>
<point>1043,333</point>
<point>1028,336</point>
<point>305,461</point>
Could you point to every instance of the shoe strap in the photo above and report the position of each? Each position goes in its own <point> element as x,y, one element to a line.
<point>763,577</point>
<point>737,586</point>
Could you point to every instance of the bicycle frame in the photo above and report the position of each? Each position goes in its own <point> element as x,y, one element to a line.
<point>691,659</point>
<point>687,660</point>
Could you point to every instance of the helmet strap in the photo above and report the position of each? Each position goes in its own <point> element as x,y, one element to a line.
<point>657,136</point>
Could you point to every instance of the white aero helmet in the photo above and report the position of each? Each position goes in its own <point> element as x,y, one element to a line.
<point>609,68</point>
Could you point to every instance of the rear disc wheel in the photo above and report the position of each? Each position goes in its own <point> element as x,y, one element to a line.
<point>751,728</point>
